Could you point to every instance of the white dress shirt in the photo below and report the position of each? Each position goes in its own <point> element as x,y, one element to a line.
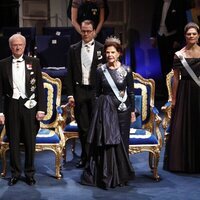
<point>87,51</point>
<point>18,74</point>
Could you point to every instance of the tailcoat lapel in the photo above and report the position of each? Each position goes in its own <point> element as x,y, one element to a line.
<point>9,72</point>
<point>78,56</point>
<point>27,75</point>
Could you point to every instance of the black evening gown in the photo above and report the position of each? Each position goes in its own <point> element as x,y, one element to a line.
<point>182,152</point>
<point>108,160</point>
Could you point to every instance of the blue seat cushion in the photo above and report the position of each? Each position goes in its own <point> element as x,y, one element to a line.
<point>141,136</point>
<point>47,136</point>
<point>43,136</point>
<point>71,127</point>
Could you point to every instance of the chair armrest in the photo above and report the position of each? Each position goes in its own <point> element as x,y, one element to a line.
<point>60,118</point>
<point>61,122</point>
<point>166,109</point>
<point>156,129</point>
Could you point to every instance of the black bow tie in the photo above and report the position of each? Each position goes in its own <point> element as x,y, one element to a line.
<point>17,60</point>
<point>89,44</point>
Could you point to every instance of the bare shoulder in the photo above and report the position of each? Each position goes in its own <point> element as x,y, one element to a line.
<point>198,51</point>
<point>182,51</point>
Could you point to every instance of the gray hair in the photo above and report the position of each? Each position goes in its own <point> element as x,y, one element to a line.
<point>17,35</point>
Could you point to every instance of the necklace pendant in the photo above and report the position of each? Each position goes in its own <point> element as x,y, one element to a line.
<point>121,93</point>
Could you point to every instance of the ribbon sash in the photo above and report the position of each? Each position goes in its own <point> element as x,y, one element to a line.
<point>122,106</point>
<point>187,67</point>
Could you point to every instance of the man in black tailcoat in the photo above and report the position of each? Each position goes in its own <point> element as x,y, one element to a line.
<point>168,23</point>
<point>84,58</point>
<point>22,106</point>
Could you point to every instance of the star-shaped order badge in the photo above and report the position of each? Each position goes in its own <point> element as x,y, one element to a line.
<point>31,102</point>
<point>99,56</point>
<point>29,66</point>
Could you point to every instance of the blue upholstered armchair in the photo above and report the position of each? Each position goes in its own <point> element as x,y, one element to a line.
<point>145,135</point>
<point>50,136</point>
<point>167,107</point>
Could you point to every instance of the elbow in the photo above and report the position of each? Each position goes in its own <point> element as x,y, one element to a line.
<point>73,22</point>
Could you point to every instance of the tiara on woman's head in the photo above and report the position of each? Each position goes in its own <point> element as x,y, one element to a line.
<point>113,39</point>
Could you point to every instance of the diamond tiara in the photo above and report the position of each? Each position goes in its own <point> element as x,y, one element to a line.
<point>113,39</point>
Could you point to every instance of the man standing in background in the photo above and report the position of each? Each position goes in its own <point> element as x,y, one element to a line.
<point>168,23</point>
<point>84,58</point>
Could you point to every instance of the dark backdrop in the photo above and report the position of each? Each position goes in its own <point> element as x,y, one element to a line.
<point>9,13</point>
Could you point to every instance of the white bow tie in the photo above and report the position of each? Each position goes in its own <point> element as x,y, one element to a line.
<point>17,60</point>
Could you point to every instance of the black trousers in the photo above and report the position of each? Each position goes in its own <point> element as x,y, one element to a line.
<point>84,102</point>
<point>21,126</point>
<point>166,51</point>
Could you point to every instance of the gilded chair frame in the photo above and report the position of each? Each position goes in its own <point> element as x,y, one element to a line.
<point>151,125</point>
<point>166,109</point>
<point>56,125</point>
<point>68,116</point>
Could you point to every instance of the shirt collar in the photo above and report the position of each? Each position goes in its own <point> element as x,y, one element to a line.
<point>20,59</point>
<point>89,43</point>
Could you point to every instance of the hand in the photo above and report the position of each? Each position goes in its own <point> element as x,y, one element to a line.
<point>2,119</point>
<point>153,42</point>
<point>133,117</point>
<point>40,115</point>
<point>71,102</point>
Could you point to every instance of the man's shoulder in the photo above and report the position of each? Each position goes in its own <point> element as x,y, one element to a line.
<point>75,45</point>
<point>7,59</point>
<point>98,44</point>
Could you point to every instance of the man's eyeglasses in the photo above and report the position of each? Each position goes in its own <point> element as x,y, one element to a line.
<point>86,31</point>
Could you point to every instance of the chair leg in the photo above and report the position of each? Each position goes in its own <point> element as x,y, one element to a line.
<point>58,156</point>
<point>3,157</point>
<point>155,170</point>
<point>153,164</point>
<point>64,154</point>
<point>3,150</point>
<point>151,160</point>
<point>73,146</point>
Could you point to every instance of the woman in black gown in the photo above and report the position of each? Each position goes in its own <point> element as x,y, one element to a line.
<point>108,160</point>
<point>183,147</point>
